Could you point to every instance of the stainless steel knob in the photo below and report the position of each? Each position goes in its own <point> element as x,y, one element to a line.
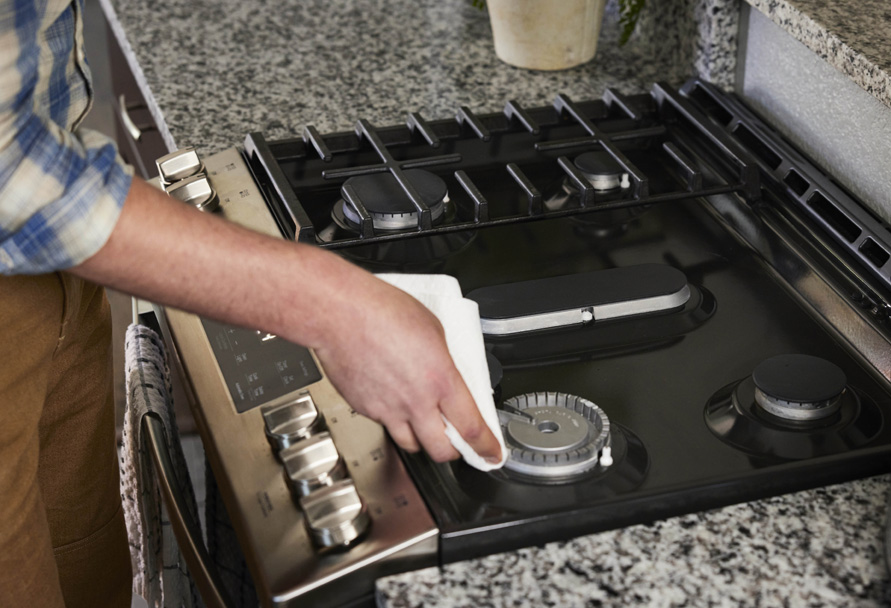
<point>312,463</point>
<point>335,516</point>
<point>196,191</point>
<point>179,165</point>
<point>287,423</point>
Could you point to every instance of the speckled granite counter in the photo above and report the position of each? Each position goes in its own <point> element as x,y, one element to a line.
<point>854,37</point>
<point>214,70</point>
<point>816,548</point>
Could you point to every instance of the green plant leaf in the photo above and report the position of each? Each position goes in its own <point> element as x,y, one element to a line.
<point>629,13</point>
<point>480,4</point>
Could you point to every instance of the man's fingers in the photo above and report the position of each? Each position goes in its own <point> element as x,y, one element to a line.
<point>430,431</point>
<point>461,410</point>
<point>404,437</point>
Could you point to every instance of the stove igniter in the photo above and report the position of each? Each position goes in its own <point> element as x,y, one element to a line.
<point>387,202</point>
<point>602,170</point>
<point>554,435</point>
<point>799,387</point>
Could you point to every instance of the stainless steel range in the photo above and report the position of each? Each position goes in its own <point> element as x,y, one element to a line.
<point>680,312</point>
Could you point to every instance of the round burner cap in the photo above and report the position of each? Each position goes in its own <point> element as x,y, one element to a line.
<point>389,205</point>
<point>799,387</point>
<point>799,378</point>
<point>601,169</point>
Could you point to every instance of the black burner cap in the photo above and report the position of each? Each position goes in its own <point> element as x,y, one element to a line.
<point>382,194</point>
<point>799,378</point>
<point>600,164</point>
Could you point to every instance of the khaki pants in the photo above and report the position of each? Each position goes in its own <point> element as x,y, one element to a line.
<point>62,531</point>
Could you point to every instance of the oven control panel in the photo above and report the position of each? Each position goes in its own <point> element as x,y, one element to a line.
<point>320,499</point>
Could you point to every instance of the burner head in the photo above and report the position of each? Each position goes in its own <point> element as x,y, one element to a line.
<point>799,387</point>
<point>609,182</point>
<point>793,407</point>
<point>554,435</point>
<point>387,202</point>
<point>601,170</point>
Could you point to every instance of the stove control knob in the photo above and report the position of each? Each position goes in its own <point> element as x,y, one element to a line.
<point>196,191</point>
<point>312,463</point>
<point>288,423</point>
<point>179,165</point>
<point>336,515</point>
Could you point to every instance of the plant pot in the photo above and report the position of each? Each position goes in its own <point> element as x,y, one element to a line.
<point>545,34</point>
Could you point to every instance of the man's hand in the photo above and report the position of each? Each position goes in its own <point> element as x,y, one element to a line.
<point>394,367</point>
<point>381,348</point>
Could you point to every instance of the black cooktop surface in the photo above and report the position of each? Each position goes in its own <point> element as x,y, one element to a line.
<point>675,386</point>
<point>586,188</point>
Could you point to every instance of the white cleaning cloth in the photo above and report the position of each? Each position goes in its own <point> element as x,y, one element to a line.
<point>460,319</point>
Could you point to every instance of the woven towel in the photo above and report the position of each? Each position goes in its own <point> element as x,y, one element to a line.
<point>159,572</point>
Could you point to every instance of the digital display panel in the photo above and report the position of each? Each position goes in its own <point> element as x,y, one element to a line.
<point>257,366</point>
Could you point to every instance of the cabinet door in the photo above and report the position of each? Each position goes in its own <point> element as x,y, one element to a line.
<point>138,138</point>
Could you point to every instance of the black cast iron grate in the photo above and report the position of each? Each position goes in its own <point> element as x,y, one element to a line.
<point>665,122</point>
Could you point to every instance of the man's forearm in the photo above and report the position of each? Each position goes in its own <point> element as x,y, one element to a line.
<point>383,350</point>
<point>170,253</point>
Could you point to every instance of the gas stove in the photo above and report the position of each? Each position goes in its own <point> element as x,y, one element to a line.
<point>680,312</point>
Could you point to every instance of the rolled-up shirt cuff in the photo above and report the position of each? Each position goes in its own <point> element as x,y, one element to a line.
<point>73,226</point>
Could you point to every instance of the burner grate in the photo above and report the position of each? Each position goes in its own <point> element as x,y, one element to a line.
<point>531,147</point>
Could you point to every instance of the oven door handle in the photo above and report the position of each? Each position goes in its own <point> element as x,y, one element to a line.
<point>188,532</point>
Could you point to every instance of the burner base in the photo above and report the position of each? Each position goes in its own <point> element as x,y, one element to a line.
<point>734,416</point>
<point>511,491</point>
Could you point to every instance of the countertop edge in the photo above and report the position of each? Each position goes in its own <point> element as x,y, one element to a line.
<point>828,46</point>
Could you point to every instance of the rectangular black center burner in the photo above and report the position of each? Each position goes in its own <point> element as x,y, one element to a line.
<point>579,299</point>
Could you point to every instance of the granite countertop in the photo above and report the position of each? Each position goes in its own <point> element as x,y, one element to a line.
<point>853,37</point>
<point>199,62</point>
<point>214,70</point>
<point>820,547</point>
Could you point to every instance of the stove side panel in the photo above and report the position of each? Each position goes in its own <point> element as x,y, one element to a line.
<point>841,126</point>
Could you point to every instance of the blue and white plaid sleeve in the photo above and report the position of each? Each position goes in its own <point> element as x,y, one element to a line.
<point>61,192</point>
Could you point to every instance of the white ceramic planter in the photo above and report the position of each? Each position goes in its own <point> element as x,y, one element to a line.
<point>545,34</point>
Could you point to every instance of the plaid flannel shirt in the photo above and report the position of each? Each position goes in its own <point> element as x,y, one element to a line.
<point>61,188</point>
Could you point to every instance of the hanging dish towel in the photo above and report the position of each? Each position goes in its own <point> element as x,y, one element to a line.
<point>159,572</point>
